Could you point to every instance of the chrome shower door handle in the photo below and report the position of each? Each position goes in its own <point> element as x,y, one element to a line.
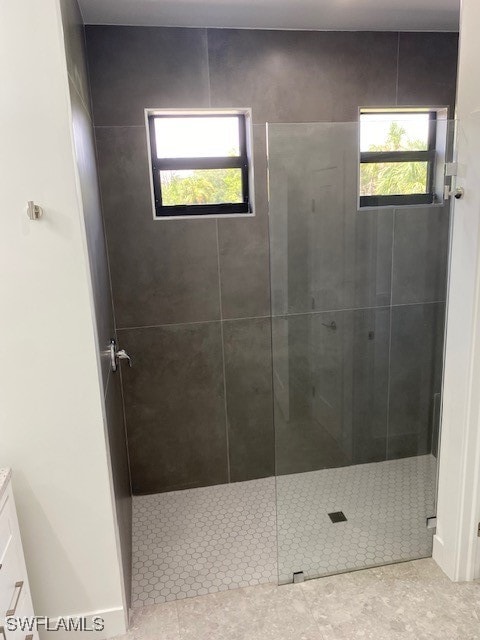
<point>123,355</point>
<point>116,355</point>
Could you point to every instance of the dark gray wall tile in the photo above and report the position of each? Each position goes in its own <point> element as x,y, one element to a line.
<point>420,255</point>
<point>244,267</point>
<point>416,363</point>
<point>371,333</point>
<point>339,261</point>
<point>92,213</point>
<point>325,254</point>
<point>163,271</point>
<point>343,375</point>
<point>248,380</point>
<point>175,407</point>
<point>302,443</point>
<point>133,68</point>
<point>289,76</point>
<point>243,249</point>
<point>167,272</point>
<point>120,473</point>
<point>427,69</point>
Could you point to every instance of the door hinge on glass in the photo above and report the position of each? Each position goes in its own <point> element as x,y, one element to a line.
<point>478,530</point>
<point>451,169</point>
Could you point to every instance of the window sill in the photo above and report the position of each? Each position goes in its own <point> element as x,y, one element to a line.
<point>389,207</point>
<point>205,216</point>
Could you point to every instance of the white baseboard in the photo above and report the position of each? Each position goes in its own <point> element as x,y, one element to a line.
<point>114,621</point>
<point>438,555</point>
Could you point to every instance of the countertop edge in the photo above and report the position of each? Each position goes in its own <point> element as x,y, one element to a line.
<point>5,475</point>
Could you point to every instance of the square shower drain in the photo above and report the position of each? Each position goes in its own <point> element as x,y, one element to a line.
<point>337,516</point>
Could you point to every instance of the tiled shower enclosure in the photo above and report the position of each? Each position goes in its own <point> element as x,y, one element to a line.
<point>331,384</point>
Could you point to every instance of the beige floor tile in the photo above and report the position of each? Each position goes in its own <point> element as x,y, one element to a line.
<point>408,601</point>
<point>156,622</point>
<point>257,613</point>
<point>412,601</point>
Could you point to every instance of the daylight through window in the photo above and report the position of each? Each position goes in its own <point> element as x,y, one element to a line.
<point>199,164</point>
<point>397,157</point>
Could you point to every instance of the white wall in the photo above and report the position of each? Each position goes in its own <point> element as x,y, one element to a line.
<point>51,423</point>
<point>456,541</point>
<point>86,169</point>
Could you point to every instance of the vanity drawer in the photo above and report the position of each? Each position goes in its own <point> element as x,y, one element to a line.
<point>23,610</point>
<point>15,599</point>
<point>11,574</point>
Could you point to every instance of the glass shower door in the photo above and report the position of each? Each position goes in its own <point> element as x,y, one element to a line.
<point>358,303</point>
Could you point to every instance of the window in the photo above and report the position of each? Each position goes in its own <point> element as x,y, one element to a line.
<point>397,157</point>
<point>199,162</point>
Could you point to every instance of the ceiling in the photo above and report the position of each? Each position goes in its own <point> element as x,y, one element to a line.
<point>345,15</point>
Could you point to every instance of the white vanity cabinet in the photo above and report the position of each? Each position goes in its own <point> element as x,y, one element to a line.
<point>15,599</point>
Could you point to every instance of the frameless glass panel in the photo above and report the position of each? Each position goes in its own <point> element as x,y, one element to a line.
<point>393,178</point>
<point>202,137</point>
<point>201,186</point>
<point>394,132</point>
<point>357,334</point>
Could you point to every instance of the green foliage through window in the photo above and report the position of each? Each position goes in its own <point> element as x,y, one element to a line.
<point>394,178</point>
<point>201,186</point>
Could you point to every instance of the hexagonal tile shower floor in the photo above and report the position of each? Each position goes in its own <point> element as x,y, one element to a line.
<point>386,505</point>
<point>199,541</point>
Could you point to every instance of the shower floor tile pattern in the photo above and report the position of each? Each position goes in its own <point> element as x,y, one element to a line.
<point>386,505</point>
<point>205,540</point>
<point>198,541</point>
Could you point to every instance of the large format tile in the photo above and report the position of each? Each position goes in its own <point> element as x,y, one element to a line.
<point>244,267</point>
<point>325,254</point>
<point>243,248</point>
<point>134,68</point>
<point>416,363</point>
<point>163,271</point>
<point>175,407</point>
<point>263,613</point>
<point>288,76</point>
<point>248,381</point>
<point>420,255</point>
<point>117,442</point>
<point>369,384</point>
<point>331,389</point>
<point>427,69</point>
